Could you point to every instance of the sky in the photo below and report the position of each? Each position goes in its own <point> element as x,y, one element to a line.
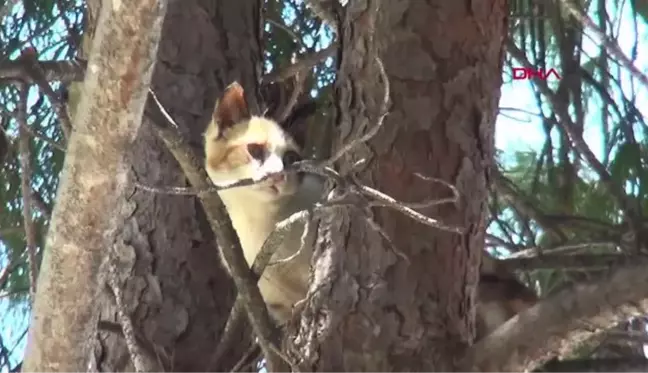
<point>521,133</point>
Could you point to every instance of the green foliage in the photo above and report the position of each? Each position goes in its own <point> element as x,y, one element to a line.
<point>629,168</point>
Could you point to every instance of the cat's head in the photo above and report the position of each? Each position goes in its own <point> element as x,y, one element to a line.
<point>242,146</point>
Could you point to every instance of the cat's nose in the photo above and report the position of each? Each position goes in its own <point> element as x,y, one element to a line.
<point>272,164</point>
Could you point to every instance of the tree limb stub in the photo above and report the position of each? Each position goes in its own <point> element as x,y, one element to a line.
<point>93,180</point>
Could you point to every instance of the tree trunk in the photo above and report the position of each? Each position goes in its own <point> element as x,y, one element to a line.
<point>176,290</point>
<point>371,306</point>
<point>93,185</point>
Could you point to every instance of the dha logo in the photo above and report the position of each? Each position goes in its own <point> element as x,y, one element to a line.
<point>524,73</point>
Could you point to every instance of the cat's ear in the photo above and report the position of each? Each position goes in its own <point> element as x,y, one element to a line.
<point>232,108</point>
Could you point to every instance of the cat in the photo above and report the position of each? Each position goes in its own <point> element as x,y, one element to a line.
<point>242,146</point>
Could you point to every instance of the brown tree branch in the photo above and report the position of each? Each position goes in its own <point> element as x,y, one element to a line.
<point>62,71</point>
<point>298,88</point>
<point>563,249</point>
<point>93,184</point>
<point>25,186</point>
<point>557,323</point>
<point>141,362</point>
<point>151,350</point>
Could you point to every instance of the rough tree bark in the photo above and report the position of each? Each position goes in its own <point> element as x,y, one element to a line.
<point>93,181</point>
<point>178,293</point>
<point>369,308</point>
<point>174,288</point>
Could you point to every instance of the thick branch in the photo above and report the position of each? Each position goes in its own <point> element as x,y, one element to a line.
<point>557,323</point>
<point>63,71</point>
<point>93,183</point>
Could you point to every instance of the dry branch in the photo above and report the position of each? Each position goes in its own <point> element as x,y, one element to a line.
<point>93,183</point>
<point>139,359</point>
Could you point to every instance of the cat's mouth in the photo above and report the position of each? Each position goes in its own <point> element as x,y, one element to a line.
<point>277,178</point>
<point>275,182</point>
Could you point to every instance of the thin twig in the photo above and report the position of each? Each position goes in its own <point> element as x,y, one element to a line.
<point>298,88</point>
<point>134,350</point>
<point>246,357</point>
<point>25,186</point>
<point>563,249</point>
<point>33,132</point>
<point>307,166</point>
<point>308,231</point>
<point>429,202</point>
<point>398,206</point>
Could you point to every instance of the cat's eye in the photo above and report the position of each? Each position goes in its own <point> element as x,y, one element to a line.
<point>256,151</point>
<point>291,157</point>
